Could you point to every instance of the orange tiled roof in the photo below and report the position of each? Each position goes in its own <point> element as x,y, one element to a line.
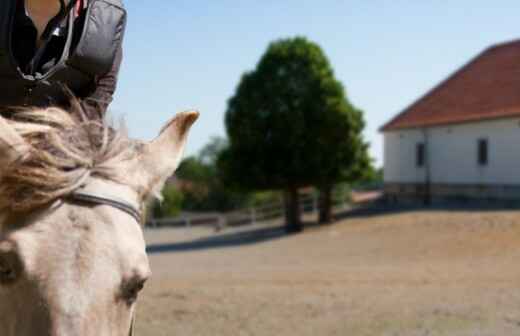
<point>488,87</point>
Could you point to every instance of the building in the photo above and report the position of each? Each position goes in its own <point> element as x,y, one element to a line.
<point>461,139</point>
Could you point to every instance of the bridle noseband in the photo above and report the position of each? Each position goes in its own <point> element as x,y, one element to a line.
<point>96,199</point>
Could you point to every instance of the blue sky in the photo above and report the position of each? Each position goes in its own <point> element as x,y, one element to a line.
<point>191,54</point>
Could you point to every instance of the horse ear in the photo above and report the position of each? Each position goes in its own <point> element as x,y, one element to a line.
<point>12,146</point>
<point>163,155</point>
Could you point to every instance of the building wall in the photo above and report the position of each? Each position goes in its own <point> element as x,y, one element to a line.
<point>452,152</point>
<point>399,157</point>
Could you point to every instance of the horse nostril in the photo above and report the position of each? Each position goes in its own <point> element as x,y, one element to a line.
<point>132,288</point>
<point>139,287</point>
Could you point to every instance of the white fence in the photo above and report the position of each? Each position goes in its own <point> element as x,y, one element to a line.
<point>309,204</point>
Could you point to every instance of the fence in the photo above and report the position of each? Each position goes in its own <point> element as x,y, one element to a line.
<point>309,204</point>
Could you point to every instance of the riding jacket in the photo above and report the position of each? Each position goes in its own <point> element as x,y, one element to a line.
<point>83,53</point>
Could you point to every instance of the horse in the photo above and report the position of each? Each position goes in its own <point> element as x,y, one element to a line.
<point>73,193</point>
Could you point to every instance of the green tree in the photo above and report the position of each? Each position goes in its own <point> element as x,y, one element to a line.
<point>210,152</point>
<point>171,204</point>
<point>201,183</point>
<point>290,125</point>
<point>194,179</point>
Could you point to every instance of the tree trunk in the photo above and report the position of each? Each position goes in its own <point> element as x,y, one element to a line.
<point>325,205</point>
<point>293,222</point>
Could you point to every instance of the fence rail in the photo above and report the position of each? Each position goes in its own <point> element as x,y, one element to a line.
<point>308,203</point>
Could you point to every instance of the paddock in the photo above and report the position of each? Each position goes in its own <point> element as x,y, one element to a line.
<point>436,272</point>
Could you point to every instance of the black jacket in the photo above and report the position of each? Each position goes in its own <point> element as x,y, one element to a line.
<point>84,53</point>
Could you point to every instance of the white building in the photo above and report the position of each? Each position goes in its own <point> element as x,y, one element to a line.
<point>462,139</point>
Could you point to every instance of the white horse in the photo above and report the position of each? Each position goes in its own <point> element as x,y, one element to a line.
<point>72,194</point>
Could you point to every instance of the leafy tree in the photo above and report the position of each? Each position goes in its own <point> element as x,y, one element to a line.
<point>371,178</point>
<point>193,181</point>
<point>171,204</point>
<point>210,152</point>
<point>290,125</point>
<point>193,170</point>
<point>262,198</point>
<point>201,184</point>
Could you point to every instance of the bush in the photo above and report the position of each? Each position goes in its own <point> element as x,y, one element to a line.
<point>342,192</point>
<point>264,197</point>
<point>171,205</point>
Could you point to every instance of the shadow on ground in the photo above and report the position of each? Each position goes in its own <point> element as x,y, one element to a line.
<point>254,236</point>
<point>376,210</point>
<point>259,235</point>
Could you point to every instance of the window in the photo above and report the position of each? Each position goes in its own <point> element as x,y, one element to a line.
<point>419,155</point>
<point>482,152</point>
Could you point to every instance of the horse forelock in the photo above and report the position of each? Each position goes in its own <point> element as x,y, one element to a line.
<point>66,149</point>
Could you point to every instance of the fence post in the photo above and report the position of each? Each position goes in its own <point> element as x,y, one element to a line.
<point>221,223</point>
<point>252,213</point>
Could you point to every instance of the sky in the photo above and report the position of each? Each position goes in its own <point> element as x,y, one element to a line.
<point>182,55</point>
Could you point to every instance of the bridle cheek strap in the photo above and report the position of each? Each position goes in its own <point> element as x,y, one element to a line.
<point>132,325</point>
<point>95,199</point>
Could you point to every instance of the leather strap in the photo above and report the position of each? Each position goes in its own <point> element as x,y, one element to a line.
<point>131,332</point>
<point>91,198</point>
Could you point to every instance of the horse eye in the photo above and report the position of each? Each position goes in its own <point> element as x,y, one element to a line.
<point>10,263</point>
<point>131,289</point>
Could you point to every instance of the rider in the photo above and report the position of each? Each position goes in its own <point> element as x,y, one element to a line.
<point>46,45</point>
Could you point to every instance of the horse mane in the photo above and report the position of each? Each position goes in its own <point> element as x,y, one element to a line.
<point>66,149</point>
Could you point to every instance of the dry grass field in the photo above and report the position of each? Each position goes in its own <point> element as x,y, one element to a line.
<point>411,273</point>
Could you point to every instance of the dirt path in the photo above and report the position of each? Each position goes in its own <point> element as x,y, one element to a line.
<point>415,273</point>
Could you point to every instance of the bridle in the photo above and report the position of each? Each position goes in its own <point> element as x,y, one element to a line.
<point>131,332</point>
<point>98,199</point>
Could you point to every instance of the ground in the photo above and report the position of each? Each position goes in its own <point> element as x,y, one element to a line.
<point>401,273</point>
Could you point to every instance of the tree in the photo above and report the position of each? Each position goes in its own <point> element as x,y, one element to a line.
<point>356,166</point>
<point>170,205</point>
<point>194,179</point>
<point>290,125</point>
<point>210,152</point>
<point>202,187</point>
